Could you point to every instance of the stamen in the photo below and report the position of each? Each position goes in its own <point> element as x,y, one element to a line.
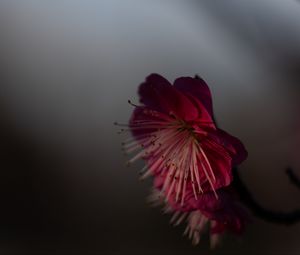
<point>181,218</point>
<point>172,186</point>
<point>135,138</point>
<point>136,157</point>
<point>219,148</point>
<point>179,185</point>
<point>207,161</point>
<point>167,145</point>
<point>175,216</point>
<point>195,167</point>
<point>168,177</point>
<point>193,184</point>
<point>184,164</point>
<point>209,180</point>
<point>143,170</point>
<point>129,102</point>
<point>132,148</point>
<point>184,187</point>
<point>174,156</point>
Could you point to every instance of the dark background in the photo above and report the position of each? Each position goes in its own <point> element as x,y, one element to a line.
<point>67,69</point>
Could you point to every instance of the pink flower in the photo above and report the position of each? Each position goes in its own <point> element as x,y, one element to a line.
<point>174,132</point>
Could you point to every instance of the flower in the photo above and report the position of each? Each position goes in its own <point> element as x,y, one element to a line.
<point>189,157</point>
<point>175,133</point>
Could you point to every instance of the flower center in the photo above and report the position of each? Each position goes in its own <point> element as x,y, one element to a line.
<point>185,127</point>
<point>172,149</point>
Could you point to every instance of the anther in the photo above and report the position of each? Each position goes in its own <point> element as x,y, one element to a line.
<point>171,114</point>
<point>129,102</point>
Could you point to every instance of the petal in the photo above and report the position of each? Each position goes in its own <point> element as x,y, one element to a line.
<point>221,165</point>
<point>140,115</point>
<point>149,92</point>
<point>233,145</point>
<point>158,94</point>
<point>217,228</point>
<point>198,88</point>
<point>204,119</point>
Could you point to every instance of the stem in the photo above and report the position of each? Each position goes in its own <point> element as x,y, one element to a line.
<point>286,218</point>
<point>292,176</point>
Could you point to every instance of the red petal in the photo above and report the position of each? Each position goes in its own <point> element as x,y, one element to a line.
<point>233,145</point>
<point>204,117</point>
<point>158,94</point>
<point>139,115</point>
<point>218,228</point>
<point>221,164</point>
<point>198,89</point>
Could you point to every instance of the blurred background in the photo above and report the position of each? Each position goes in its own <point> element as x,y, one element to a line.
<point>67,70</point>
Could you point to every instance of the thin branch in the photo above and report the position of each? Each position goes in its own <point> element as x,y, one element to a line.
<point>286,218</point>
<point>293,177</point>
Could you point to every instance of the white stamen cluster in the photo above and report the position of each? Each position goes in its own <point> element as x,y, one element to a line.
<point>171,148</point>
